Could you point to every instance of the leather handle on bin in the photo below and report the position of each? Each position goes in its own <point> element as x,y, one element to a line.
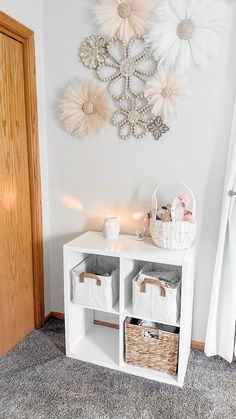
<point>153,281</point>
<point>84,275</point>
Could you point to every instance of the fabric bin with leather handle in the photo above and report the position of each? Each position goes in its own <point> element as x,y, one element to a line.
<point>156,293</point>
<point>95,282</point>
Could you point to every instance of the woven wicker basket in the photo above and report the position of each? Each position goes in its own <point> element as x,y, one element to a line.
<point>151,348</point>
<point>172,235</point>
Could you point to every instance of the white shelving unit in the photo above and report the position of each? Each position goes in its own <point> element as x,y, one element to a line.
<point>104,346</point>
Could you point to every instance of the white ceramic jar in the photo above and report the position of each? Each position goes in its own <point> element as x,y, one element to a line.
<point>111,227</point>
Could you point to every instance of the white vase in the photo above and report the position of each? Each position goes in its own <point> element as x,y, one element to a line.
<point>111,228</point>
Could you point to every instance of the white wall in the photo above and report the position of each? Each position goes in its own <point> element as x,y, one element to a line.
<point>104,173</point>
<point>29,13</point>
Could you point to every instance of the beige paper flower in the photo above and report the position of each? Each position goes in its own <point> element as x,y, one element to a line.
<point>124,19</point>
<point>84,108</point>
<point>164,92</point>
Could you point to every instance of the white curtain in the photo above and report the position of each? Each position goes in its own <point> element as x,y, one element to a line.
<point>220,337</point>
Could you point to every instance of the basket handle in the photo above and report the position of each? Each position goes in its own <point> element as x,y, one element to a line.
<point>84,275</point>
<point>153,281</point>
<point>154,196</point>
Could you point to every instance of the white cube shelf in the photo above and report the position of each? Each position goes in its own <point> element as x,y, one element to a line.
<point>104,346</point>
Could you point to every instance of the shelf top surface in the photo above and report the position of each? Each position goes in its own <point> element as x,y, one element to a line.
<point>127,246</point>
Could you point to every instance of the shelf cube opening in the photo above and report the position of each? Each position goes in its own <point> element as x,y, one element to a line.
<point>96,343</point>
<point>95,282</point>
<point>151,345</point>
<point>130,270</point>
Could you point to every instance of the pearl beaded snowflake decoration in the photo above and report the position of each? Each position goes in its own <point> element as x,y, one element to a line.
<point>132,118</point>
<point>127,67</point>
<point>93,51</point>
<point>157,128</point>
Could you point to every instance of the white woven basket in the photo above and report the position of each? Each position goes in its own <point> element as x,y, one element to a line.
<point>172,235</point>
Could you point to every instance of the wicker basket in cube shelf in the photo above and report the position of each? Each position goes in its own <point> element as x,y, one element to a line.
<point>175,234</point>
<point>150,347</point>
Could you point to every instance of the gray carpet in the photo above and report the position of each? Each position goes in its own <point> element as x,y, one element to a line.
<point>38,381</point>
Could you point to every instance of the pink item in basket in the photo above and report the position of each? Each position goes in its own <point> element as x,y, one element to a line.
<point>190,218</point>
<point>185,201</point>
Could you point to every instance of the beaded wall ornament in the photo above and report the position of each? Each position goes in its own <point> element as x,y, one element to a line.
<point>126,64</point>
<point>127,67</point>
<point>93,51</point>
<point>157,128</point>
<point>132,118</point>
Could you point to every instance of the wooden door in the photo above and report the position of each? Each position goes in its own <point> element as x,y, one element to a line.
<point>16,267</point>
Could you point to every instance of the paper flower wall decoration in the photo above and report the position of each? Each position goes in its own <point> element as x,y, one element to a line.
<point>164,92</point>
<point>124,19</point>
<point>132,118</point>
<point>185,31</point>
<point>93,51</point>
<point>126,71</point>
<point>84,108</point>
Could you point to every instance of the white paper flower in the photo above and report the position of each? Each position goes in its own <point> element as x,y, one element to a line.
<point>84,108</point>
<point>164,92</point>
<point>123,18</point>
<point>185,31</point>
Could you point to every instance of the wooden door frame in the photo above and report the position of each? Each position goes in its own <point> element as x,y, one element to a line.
<point>21,33</point>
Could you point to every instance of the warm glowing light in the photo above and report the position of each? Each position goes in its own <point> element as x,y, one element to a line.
<point>137,215</point>
<point>71,202</point>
